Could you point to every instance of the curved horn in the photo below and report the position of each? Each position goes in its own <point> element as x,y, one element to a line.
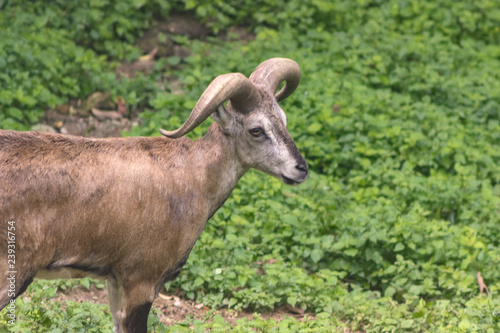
<point>235,87</point>
<point>272,72</point>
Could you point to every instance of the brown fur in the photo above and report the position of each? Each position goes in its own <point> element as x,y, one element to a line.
<point>129,208</point>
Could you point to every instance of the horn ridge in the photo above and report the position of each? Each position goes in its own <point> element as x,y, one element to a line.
<point>235,87</point>
<point>272,72</point>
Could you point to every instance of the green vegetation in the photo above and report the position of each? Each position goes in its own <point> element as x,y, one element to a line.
<point>398,115</point>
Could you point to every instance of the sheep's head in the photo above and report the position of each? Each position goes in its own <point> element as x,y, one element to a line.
<point>253,118</point>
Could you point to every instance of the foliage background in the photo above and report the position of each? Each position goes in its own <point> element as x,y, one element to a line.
<point>398,115</point>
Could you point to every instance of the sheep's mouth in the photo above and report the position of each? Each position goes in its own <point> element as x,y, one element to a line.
<point>290,181</point>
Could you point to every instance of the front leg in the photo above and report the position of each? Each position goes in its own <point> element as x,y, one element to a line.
<point>115,299</point>
<point>130,306</point>
<point>136,320</point>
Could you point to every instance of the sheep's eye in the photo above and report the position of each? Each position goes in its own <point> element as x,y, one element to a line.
<point>257,131</point>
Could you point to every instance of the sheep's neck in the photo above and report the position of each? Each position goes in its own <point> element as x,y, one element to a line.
<point>222,170</point>
<point>216,173</point>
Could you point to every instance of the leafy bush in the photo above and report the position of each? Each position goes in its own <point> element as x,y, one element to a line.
<point>56,50</point>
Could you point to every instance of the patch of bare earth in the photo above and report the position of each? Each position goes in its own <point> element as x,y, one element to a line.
<point>175,309</point>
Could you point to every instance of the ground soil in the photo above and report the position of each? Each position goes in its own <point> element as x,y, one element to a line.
<point>175,309</point>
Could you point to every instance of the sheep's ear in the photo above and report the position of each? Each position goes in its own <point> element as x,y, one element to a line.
<point>224,118</point>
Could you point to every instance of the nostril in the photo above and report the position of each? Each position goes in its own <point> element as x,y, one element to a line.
<point>301,167</point>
